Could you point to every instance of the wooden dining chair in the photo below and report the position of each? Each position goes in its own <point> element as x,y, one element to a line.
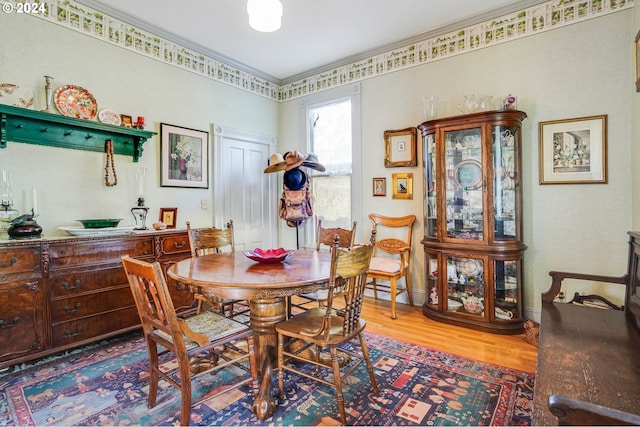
<point>202,344</point>
<point>391,259</point>
<point>324,240</point>
<point>212,240</point>
<point>322,329</point>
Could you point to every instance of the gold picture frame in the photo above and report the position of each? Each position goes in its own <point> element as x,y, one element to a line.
<point>169,216</point>
<point>636,51</point>
<point>573,151</point>
<point>379,186</point>
<point>400,148</point>
<point>402,186</point>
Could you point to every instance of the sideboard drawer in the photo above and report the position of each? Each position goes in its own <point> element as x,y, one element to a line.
<point>91,327</point>
<point>175,244</point>
<point>99,252</point>
<point>19,260</point>
<point>66,309</point>
<point>63,285</point>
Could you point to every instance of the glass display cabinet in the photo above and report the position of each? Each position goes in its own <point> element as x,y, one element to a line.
<point>473,220</point>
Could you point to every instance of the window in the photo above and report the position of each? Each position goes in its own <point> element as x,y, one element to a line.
<point>332,128</point>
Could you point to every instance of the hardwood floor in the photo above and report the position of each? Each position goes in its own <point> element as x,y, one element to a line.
<point>411,325</point>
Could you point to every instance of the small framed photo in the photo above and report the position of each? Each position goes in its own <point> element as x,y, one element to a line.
<point>127,121</point>
<point>169,216</point>
<point>184,157</point>
<point>379,186</point>
<point>400,147</point>
<point>402,186</point>
<point>573,151</point>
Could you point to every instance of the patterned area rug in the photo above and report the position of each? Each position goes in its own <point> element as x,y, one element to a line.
<point>107,385</point>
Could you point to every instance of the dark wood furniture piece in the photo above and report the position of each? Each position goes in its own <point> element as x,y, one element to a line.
<point>202,344</point>
<point>588,370</point>
<point>266,286</point>
<point>330,327</point>
<point>473,220</point>
<point>57,294</point>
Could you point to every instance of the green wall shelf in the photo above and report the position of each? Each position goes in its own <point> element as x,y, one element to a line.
<point>38,127</point>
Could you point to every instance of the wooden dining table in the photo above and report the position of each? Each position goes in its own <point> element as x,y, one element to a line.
<point>233,275</point>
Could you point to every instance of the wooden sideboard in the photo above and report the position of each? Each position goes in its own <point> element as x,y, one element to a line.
<point>57,294</point>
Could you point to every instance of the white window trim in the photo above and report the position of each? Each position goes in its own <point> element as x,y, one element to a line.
<point>351,92</point>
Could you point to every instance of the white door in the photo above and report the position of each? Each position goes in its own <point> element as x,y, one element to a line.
<point>242,191</point>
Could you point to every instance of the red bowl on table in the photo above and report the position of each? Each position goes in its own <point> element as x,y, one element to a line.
<point>269,256</point>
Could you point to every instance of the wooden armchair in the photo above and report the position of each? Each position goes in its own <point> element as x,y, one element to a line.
<point>391,260</point>
<point>197,342</point>
<point>325,239</point>
<point>212,240</point>
<point>327,328</point>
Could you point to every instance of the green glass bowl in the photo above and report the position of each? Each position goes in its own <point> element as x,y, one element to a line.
<point>99,223</point>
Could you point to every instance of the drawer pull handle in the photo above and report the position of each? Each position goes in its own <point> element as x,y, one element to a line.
<point>13,322</point>
<point>70,310</point>
<point>10,263</point>
<point>179,245</point>
<point>67,286</point>
<point>69,334</point>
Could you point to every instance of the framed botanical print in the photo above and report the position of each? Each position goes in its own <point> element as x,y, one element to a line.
<point>184,158</point>
<point>573,151</point>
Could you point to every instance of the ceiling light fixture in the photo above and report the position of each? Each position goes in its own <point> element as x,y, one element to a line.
<point>264,15</point>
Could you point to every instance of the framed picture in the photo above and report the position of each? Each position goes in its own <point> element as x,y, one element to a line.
<point>184,157</point>
<point>400,148</point>
<point>573,151</point>
<point>169,216</point>
<point>379,186</point>
<point>127,121</point>
<point>636,49</point>
<point>402,186</point>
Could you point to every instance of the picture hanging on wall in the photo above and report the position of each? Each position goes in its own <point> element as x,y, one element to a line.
<point>573,151</point>
<point>402,186</point>
<point>184,158</point>
<point>400,147</point>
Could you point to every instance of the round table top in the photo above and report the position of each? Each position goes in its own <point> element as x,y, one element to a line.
<point>233,275</point>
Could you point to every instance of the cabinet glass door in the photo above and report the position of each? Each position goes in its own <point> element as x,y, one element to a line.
<point>432,280</point>
<point>507,277</point>
<point>431,179</point>
<point>465,285</point>
<point>464,184</point>
<point>506,182</point>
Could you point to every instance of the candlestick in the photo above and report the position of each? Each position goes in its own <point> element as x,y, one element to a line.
<point>35,201</point>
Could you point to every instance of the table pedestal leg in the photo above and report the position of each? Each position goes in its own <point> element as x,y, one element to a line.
<point>265,314</point>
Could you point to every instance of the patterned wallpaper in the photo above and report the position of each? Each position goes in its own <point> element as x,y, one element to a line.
<point>543,17</point>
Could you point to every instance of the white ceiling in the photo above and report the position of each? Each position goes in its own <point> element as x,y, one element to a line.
<point>314,34</point>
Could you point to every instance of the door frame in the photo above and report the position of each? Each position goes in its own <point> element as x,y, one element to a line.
<point>220,133</point>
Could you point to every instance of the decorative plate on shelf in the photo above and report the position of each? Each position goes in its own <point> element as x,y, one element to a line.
<point>468,174</point>
<point>471,267</point>
<point>269,256</point>
<point>109,117</point>
<point>74,101</point>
